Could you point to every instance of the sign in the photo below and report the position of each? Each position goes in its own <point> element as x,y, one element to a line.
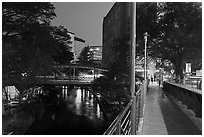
<point>198,72</point>
<point>172,71</point>
<point>188,67</point>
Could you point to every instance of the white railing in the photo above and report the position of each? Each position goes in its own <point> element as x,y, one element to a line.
<point>123,123</point>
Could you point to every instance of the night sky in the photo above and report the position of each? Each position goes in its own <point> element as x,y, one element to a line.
<point>85,19</point>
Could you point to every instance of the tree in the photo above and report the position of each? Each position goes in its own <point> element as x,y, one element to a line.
<point>26,34</point>
<point>146,20</point>
<point>17,16</point>
<point>63,54</point>
<point>29,38</point>
<point>29,45</point>
<point>29,42</point>
<point>85,56</point>
<point>179,26</point>
<point>174,29</point>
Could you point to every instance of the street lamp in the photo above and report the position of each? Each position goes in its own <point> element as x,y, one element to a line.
<point>145,58</point>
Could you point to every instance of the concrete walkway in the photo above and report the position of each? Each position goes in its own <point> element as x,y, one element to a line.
<point>163,117</point>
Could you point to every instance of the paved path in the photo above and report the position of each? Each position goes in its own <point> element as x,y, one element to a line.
<point>163,117</point>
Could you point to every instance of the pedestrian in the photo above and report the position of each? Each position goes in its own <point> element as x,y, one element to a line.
<point>151,79</point>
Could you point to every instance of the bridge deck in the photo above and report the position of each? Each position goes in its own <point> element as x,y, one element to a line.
<point>163,117</point>
<point>64,82</point>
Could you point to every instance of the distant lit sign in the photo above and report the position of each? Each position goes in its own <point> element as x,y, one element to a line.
<point>172,71</point>
<point>188,67</point>
<point>198,72</point>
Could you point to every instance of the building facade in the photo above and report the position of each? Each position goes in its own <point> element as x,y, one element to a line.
<point>77,45</point>
<point>96,52</point>
<point>116,24</point>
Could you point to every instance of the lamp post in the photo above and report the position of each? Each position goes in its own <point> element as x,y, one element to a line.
<point>145,58</point>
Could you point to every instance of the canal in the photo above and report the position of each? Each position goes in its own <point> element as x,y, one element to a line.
<point>70,111</point>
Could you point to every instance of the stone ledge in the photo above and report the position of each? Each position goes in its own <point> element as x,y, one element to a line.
<point>187,88</point>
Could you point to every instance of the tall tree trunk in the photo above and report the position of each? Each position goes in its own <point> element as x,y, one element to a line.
<point>179,66</point>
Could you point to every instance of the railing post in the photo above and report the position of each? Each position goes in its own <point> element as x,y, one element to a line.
<point>133,116</point>
<point>119,128</point>
<point>144,92</point>
<point>74,76</point>
<point>142,99</point>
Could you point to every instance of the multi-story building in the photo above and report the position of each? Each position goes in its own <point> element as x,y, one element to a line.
<point>96,54</point>
<point>116,24</point>
<point>77,45</point>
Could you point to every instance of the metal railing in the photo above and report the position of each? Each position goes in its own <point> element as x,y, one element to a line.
<point>123,123</point>
<point>54,80</point>
<point>190,97</point>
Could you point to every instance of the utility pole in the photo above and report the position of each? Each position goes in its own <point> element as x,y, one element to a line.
<point>132,66</point>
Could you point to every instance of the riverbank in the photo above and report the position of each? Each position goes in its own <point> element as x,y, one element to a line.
<point>15,122</point>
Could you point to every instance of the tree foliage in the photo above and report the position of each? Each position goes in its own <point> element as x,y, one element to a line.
<point>17,16</point>
<point>85,56</point>
<point>62,38</point>
<point>146,20</point>
<point>25,29</point>
<point>179,35</point>
<point>29,42</point>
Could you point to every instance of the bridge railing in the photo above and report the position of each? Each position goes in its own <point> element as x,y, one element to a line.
<point>70,78</point>
<point>123,123</point>
<point>190,97</point>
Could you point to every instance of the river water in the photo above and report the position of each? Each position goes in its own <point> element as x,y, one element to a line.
<point>77,112</point>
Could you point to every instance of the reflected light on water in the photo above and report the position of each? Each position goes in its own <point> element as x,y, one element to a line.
<point>98,112</point>
<point>78,97</point>
<point>86,104</point>
<point>78,100</point>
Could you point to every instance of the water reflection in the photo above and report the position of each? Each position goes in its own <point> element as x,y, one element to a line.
<point>69,110</point>
<point>83,102</point>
